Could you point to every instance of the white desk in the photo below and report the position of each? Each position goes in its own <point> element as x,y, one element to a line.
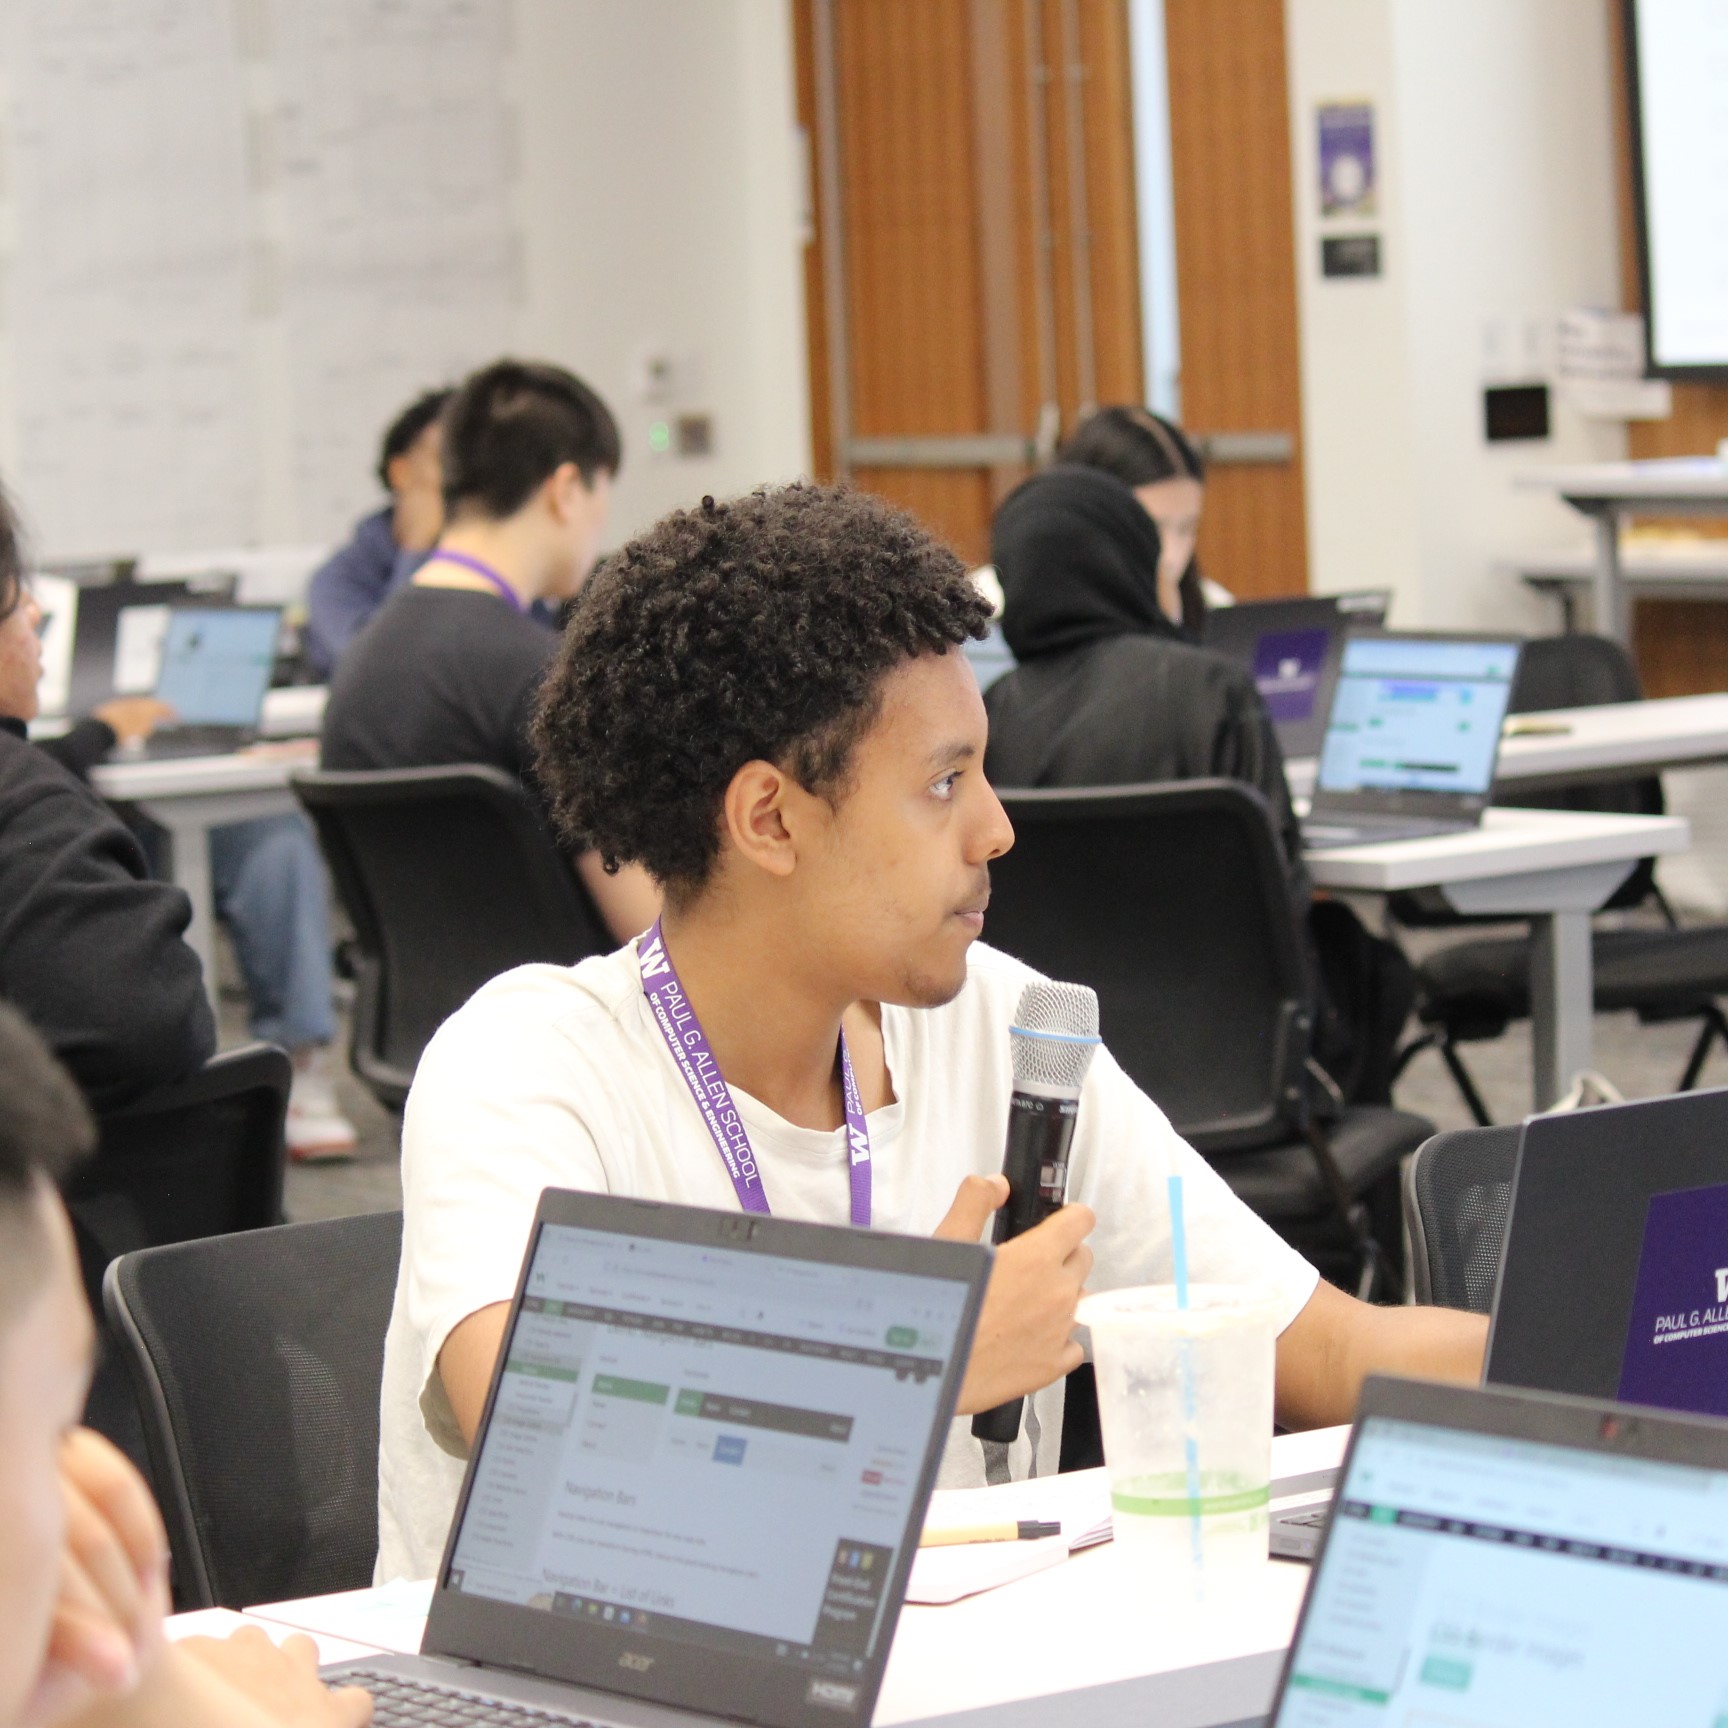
<point>1553,867</point>
<point>1656,570</point>
<point>1609,492</point>
<point>190,795</point>
<point>1098,1658</point>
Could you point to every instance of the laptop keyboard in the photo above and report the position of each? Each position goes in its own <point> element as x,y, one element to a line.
<point>399,1703</point>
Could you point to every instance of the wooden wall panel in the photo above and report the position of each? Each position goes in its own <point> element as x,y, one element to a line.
<point>1236,278</point>
<point>1682,645</point>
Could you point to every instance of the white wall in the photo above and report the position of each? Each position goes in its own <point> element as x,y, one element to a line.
<point>660,204</point>
<point>1495,144</point>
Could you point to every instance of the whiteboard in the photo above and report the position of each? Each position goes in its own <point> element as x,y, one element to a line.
<point>1681,107</point>
<point>242,234</point>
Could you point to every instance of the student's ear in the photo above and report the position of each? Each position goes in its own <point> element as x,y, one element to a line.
<point>754,815</point>
<point>565,491</point>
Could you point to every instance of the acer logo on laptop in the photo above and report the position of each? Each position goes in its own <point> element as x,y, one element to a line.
<point>836,1693</point>
<point>635,1663</point>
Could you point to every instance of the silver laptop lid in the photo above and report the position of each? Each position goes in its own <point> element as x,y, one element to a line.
<point>705,1458</point>
<point>1497,1558</point>
<point>1414,724</point>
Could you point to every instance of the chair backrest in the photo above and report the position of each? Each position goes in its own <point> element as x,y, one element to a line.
<point>258,1362</point>
<point>203,1157</point>
<point>1173,903</point>
<point>450,878</point>
<point>1457,1199</point>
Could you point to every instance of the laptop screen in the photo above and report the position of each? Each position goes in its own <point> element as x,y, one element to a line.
<point>708,1446</point>
<point>1417,714</point>
<point>216,663</point>
<point>1471,1578</point>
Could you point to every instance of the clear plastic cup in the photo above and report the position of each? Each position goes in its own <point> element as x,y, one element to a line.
<point>1185,1403</point>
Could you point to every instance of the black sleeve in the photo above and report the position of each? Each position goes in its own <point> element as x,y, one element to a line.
<point>1249,750</point>
<point>79,750</point>
<point>90,947</point>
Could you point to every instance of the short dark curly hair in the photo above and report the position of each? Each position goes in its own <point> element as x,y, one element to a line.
<point>758,629</point>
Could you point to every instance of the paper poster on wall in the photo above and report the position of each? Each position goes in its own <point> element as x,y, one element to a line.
<point>1346,136</point>
<point>1676,1354</point>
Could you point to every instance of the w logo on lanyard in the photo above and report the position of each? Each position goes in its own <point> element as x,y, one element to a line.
<point>652,956</point>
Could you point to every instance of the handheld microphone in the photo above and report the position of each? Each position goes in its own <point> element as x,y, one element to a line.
<point>1051,1044</point>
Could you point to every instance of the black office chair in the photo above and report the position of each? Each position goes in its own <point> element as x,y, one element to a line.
<point>1472,991</point>
<point>1172,902</point>
<point>258,1362</point>
<point>1457,1202</point>
<point>449,878</point>
<point>203,1157</point>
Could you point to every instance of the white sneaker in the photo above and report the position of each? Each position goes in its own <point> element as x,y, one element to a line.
<point>318,1132</point>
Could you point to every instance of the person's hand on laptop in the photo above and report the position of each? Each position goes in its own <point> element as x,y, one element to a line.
<point>1025,1337</point>
<point>133,718</point>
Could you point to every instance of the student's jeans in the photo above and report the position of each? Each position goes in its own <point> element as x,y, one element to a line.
<point>268,880</point>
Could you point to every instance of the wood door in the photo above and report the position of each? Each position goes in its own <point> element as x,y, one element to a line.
<point>989,275</point>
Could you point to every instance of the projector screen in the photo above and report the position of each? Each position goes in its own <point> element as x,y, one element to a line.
<point>1677,64</point>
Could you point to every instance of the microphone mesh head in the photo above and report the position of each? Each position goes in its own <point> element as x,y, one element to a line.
<point>1067,1017</point>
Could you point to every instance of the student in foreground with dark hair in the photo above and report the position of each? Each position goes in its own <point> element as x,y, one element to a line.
<point>389,545</point>
<point>448,669</point>
<point>84,1562</point>
<point>764,703</point>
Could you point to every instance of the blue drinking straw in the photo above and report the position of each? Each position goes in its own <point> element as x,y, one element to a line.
<point>1190,1404</point>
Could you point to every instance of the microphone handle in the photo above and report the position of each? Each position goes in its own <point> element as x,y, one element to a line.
<point>1040,1131</point>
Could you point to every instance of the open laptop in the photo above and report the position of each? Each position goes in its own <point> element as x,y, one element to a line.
<point>700,1479</point>
<point>1412,737</point>
<point>1614,1275</point>
<point>1503,1558</point>
<point>215,665</point>
<point>116,630</point>
<point>1292,646</point>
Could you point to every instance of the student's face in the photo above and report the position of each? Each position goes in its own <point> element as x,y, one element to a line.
<point>420,468</point>
<point>20,659</point>
<point>1175,506</point>
<point>44,1374</point>
<point>898,874</point>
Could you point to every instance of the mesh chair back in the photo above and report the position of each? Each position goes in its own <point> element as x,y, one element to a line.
<point>450,878</point>
<point>258,1362</point>
<point>1457,1200</point>
<point>1172,902</point>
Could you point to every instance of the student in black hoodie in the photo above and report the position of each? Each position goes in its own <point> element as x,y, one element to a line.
<point>1108,691</point>
<point>90,946</point>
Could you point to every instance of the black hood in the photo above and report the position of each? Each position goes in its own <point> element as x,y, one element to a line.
<point>1077,557</point>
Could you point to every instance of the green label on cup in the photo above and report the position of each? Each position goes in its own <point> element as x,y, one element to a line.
<point>1189,1506</point>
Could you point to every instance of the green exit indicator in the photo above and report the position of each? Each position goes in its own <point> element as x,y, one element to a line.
<point>659,437</point>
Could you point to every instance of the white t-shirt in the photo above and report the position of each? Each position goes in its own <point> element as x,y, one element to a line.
<point>559,1077</point>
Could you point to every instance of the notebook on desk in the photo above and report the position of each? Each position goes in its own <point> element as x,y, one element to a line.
<point>215,671</point>
<point>1501,1558</point>
<point>699,1481</point>
<point>1292,646</point>
<point>1412,737</point>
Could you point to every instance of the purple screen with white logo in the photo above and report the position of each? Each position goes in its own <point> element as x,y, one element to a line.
<point>1676,1355</point>
<point>1287,668</point>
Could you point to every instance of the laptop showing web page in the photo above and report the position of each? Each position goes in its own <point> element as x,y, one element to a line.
<point>1412,737</point>
<point>701,1475</point>
<point>1503,1558</point>
<point>214,673</point>
<point>1614,1274</point>
<point>1292,646</point>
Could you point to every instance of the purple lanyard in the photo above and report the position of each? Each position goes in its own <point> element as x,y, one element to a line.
<point>483,570</point>
<point>684,1038</point>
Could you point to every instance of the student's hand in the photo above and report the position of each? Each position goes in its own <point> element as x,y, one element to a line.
<point>245,1681</point>
<point>1025,1332</point>
<point>107,1626</point>
<point>133,718</point>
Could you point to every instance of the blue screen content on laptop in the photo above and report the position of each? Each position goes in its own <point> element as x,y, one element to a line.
<point>715,1446</point>
<point>216,664</point>
<point>1412,714</point>
<point>1470,1579</point>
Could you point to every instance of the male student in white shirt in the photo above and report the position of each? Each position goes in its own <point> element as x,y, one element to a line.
<point>764,704</point>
